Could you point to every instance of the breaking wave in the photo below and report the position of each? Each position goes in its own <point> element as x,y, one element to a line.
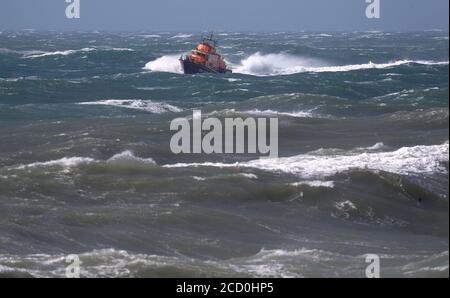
<point>295,114</point>
<point>66,163</point>
<point>284,64</point>
<point>315,183</point>
<point>274,64</point>
<point>60,53</point>
<point>69,163</point>
<point>259,64</point>
<point>70,52</point>
<point>182,36</point>
<point>120,263</point>
<point>137,104</point>
<point>273,113</point>
<point>404,161</point>
<point>128,156</point>
<point>294,262</point>
<point>168,63</point>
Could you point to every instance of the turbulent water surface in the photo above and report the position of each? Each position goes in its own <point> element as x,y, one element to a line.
<point>86,168</point>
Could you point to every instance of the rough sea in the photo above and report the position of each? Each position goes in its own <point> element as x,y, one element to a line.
<point>86,167</point>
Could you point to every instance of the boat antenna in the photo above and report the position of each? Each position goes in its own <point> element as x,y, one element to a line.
<point>210,38</point>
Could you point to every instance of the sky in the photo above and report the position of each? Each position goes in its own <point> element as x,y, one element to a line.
<point>225,15</point>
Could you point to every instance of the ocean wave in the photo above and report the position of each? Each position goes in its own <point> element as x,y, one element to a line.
<point>404,161</point>
<point>345,206</point>
<point>434,115</point>
<point>274,64</point>
<point>269,113</point>
<point>120,263</point>
<point>248,175</point>
<point>119,49</point>
<point>377,146</point>
<point>277,262</point>
<point>315,183</point>
<point>128,156</point>
<point>260,64</point>
<point>295,114</point>
<point>125,158</point>
<point>21,52</point>
<point>13,80</point>
<point>151,36</point>
<point>182,36</point>
<point>60,53</point>
<point>284,64</point>
<point>66,163</point>
<point>168,63</point>
<point>70,52</point>
<point>372,65</point>
<point>137,104</point>
<point>436,265</point>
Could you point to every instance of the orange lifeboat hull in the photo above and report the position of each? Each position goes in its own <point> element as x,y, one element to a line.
<point>191,67</point>
<point>204,58</point>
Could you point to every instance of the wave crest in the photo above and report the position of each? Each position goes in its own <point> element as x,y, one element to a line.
<point>168,63</point>
<point>404,161</point>
<point>284,64</point>
<point>274,64</point>
<point>136,104</point>
<point>40,54</point>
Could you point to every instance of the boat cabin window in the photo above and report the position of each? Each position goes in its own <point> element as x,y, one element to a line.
<point>200,54</point>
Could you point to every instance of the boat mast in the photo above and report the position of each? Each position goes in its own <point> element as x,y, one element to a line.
<point>210,39</point>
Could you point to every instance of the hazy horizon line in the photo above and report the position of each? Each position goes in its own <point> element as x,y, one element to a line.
<point>222,31</point>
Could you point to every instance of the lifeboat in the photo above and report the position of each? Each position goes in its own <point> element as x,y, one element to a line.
<point>204,58</point>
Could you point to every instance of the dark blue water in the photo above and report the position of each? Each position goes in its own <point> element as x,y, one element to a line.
<point>86,168</point>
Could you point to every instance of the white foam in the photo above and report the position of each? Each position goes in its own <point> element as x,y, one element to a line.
<point>377,146</point>
<point>248,175</point>
<point>122,49</point>
<point>65,162</point>
<point>345,206</point>
<point>127,156</point>
<point>264,254</point>
<point>405,161</point>
<point>137,104</point>
<point>68,163</point>
<point>274,64</point>
<point>151,36</point>
<point>295,114</point>
<point>371,65</point>
<point>60,53</point>
<point>168,63</point>
<point>324,35</point>
<point>281,262</point>
<point>315,183</point>
<point>153,88</point>
<point>284,64</point>
<point>182,36</point>
<point>40,54</point>
<point>26,53</point>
